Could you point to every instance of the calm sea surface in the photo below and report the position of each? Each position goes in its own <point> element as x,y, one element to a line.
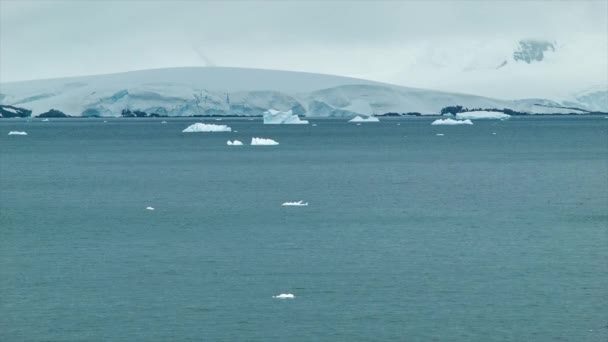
<point>409,236</point>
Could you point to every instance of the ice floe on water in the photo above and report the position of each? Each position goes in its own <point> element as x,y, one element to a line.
<point>284,296</point>
<point>362,119</point>
<point>234,143</point>
<point>275,117</point>
<point>17,133</point>
<point>149,208</point>
<point>439,134</point>
<point>163,122</point>
<point>482,114</point>
<point>295,204</point>
<point>451,122</point>
<point>45,120</point>
<point>203,127</point>
<point>493,133</point>
<point>314,125</point>
<point>263,142</point>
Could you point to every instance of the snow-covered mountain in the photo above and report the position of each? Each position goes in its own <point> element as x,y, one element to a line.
<point>239,91</point>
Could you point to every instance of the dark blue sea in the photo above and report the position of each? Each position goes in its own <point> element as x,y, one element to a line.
<point>408,236</point>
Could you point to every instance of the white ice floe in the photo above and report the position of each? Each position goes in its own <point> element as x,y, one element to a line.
<point>439,134</point>
<point>482,114</point>
<point>367,119</point>
<point>218,119</point>
<point>45,120</point>
<point>17,133</point>
<point>234,143</point>
<point>451,122</point>
<point>358,124</point>
<point>295,204</point>
<point>284,296</point>
<point>314,125</point>
<point>493,133</point>
<point>104,121</point>
<point>202,127</point>
<point>149,208</point>
<point>163,122</point>
<point>263,141</point>
<point>275,117</point>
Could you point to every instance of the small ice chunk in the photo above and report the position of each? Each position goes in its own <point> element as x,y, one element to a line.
<point>284,296</point>
<point>295,204</point>
<point>361,119</point>
<point>45,120</point>
<point>275,117</point>
<point>218,119</point>
<point>163,122</point>
<point>314,125</point>
<point>439,134</point>
<point>202,127</point>
<point>263,142</point>
<point>493,133</point>
<point>234,143</point>
<point>149,208</point>
<point>358,124</point>
<point>482,114</point>
<point>451,122</point>
<point>17,133</point>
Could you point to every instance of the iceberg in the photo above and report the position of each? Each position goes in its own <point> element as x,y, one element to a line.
<point>275,117</point>
<point>234,143</point>
<point>295,204</point>
<point>163,122</point>
<point>149,208</point>
<point>482,114</point>
<point>202,127</point>
<point>439,134</point>
<point>451,122</point>
<point>284,296</point>
<point>361,119</point>
<point>45,120</point>
<point>17,133</point>
<point>262,142</point>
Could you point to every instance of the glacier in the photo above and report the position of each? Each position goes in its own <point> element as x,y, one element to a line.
<point>451,122</point>
<point>361,119</point>
<point>482,115</point>
<point>202,127</point>
<point>276,117</point>
<point>263,142</point>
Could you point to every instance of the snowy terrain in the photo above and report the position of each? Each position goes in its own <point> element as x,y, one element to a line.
<point>236,91</point>
<point>475,115</point>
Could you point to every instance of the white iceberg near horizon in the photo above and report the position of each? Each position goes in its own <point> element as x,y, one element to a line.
<point>284,296</point>
<point>149,208</point>
<point>45,120</point>
<point>439,134</point>
<point>451,122</point>
<point>263,142</point>
<point>234,143</point>
<point>295,204</point>
<point>17,133</point>
<point>362,119</point>
<point>163,122</point>
<point>203,127</point>
<point>482,114</point>
<point>275,117</point>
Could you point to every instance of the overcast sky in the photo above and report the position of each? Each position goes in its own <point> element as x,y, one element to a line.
<point>43,39</point>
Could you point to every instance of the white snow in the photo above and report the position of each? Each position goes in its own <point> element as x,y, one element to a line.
<point>482,114</point>
<point>295,204</point>
<point>234,143</point>
<point>367,119</point>
<point>451,122</point>
<point>284,296</point>
<point>17,133</point>
<point>10,110</point>
<point>263,142</point>
<point>275,117</point>
<point>202,127</point>
<point>149,208</point>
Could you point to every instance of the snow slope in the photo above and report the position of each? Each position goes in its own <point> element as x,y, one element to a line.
<point>238,91</point>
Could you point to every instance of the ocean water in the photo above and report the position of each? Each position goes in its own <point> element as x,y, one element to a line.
<point>408,236</point>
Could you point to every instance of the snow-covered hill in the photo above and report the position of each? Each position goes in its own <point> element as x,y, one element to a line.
<point>238,91</point>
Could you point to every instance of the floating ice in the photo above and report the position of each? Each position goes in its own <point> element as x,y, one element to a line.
<point>202,127</point>
<point>17,133</point>
<point>275,117</point>
<point>361,119</point>
<point>482,114</point>
<point>284,296</point>
<point>218,119</point>
<point>45,120</point>
<point>439,134</point>
<point>493,133</point>
<point>451,122</point>
<point>295,204</point>
<point>149,208</point>
<point>358,124</point>
<point>163,122</point>
<point>263,141</point>
<point>314,125</point>
<point>234,143</point>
